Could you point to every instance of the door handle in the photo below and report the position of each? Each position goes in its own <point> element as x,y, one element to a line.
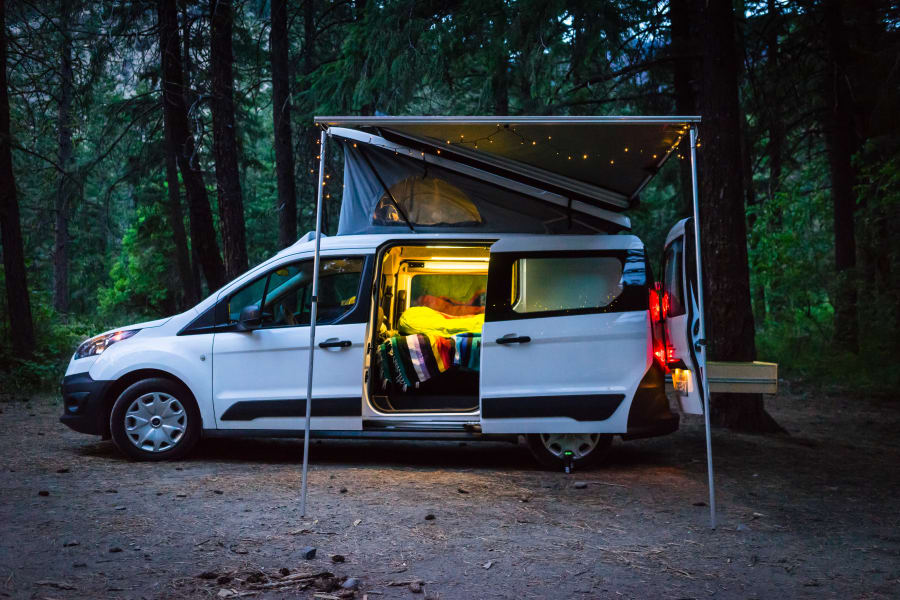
<point>514,339</point>
<point>335,344</point>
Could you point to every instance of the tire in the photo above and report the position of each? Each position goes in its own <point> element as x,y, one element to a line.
<point>547,449</point>
<point>154,420</point>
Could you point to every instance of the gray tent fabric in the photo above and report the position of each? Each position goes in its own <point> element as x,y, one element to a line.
<point>435,199</point>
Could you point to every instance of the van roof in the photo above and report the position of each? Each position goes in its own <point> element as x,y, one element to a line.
<point>373,241</point>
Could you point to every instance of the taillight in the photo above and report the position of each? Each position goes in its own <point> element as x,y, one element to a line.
<point>662,352</point>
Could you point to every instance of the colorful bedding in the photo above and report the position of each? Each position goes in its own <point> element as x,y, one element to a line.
<point>408,360</point>
<point>421,319</point>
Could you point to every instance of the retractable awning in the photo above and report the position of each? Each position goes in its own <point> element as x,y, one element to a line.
<point>602,161</point>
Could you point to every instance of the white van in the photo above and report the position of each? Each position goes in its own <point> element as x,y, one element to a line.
<point>558,338</point>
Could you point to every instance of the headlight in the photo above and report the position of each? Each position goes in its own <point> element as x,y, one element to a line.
<point>97,344</point>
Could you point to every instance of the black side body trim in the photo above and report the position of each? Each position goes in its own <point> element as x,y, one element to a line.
<point>590,407</point>
<point>83,403</point>
<point>362,435</point>
<point>247,410</point>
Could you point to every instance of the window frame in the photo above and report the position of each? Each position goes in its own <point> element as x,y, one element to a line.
<point>634,297</point>
<point>675,250</point>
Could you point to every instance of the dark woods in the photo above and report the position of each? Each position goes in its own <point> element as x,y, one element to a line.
<point>149,152</point>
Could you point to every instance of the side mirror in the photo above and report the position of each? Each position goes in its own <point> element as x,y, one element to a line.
<point>250,318</point>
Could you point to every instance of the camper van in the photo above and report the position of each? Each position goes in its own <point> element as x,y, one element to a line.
<point>464,297</point>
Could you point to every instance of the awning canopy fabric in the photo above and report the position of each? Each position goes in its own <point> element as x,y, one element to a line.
<point>603,161</point>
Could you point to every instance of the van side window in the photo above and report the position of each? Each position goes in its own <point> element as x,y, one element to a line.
<point>552,284</point>
<point>673,278</point>
<point>285,293</point>
<point>547,284</point>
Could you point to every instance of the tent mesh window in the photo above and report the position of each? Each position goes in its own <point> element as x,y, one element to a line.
<point>426,201</point>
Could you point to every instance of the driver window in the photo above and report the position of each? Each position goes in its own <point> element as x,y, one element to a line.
<point>284,294</point>
<point>246,296</point>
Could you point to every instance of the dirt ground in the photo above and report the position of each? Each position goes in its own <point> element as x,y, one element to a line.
<point>812,515</point>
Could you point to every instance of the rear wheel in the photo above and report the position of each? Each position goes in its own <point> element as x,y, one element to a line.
<point>155,419</point>
<point>553,450</point>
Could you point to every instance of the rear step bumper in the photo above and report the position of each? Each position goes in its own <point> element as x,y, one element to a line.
<point>739,377</point>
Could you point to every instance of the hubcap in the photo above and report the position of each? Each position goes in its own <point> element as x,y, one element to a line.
<point>155,422</point>
<point>579,444</point>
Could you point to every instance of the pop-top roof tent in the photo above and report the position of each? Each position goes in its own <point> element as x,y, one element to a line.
<point>573,174</point>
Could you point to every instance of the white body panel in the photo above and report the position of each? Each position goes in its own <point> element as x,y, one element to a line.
<point>269,365</point>
<point>567,356</point>
<point>159,348</point>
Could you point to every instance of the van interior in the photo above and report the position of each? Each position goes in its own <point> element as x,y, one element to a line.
<point>428,317</point>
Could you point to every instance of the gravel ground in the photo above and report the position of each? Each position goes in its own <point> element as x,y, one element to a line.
<point>810,515</point>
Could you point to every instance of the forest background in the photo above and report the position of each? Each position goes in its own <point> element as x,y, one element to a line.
<point>151,151</point>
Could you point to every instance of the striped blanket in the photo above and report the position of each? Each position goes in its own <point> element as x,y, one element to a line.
<point>412,359</point>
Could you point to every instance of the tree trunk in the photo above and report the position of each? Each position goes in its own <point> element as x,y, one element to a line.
<point>308,137</point>
<point>176,223</point>
<point>841,142</point>
<point>228,180</point>
<point>281,114</point>
<point>203,234</point>
<point>65,189</point>
<point>682,14</point>
<point>21,329</point>
<point>775,149</point>
<point>500,75</point>
<point>726,275</point>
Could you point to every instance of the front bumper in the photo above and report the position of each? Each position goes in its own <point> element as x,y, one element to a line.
<point>83,403</point>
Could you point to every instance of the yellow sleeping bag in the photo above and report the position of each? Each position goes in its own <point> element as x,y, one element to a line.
<point>421,319</point>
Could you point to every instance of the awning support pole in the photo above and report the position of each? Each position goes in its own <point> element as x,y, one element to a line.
<point>703,374</point>
<point>312,322</point>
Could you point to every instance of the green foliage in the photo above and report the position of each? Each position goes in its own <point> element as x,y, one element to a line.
<point>466,57</point>
<point>57,339</point>
<point>142,278</point>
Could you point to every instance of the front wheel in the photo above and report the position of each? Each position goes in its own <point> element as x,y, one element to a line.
<point>553,450</point>
<point>155,419</point>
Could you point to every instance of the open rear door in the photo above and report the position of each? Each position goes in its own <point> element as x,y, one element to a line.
<point>686,352</point>
<point>566,336</point>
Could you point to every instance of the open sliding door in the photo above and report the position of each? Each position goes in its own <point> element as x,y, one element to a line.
<point>566,334</point>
